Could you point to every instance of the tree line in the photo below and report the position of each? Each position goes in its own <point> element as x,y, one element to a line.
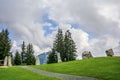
<point>64,45</point>
<point>25,57</point>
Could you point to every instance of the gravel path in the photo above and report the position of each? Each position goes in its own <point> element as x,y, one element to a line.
<point>58,75</point>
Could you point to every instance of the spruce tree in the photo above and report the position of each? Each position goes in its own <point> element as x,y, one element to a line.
<point>59,44</point>
<point>12,58</point>
<point>23,53</point>
<point>30,58</point>
<point>52,58</point>
<point>69,47</point>
<point>5,44</point>
<point>65,46</point>
<point>17,59</point>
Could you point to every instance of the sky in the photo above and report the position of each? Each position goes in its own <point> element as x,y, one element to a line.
<point>94,24</point>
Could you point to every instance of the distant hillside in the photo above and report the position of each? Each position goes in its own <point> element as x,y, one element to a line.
<point>105,68</point>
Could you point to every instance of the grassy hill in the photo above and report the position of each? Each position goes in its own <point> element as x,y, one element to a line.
<point>104,68</point>
<point>17,73</point>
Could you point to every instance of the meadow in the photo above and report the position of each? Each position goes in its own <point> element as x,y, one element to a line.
<point>103,68</point>
<point>17,73</point>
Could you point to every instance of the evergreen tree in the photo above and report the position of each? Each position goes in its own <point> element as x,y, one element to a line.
<point>69,47</point>
<point>12,58</point>
<point>17,59</point>
<point>59,44</point>
<point>65,46</point>
<point>23,53</point>
<point>5,44</point>
<point>52,58</point>
<point>30,58</point>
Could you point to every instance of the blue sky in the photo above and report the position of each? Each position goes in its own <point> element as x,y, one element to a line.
<point>10,32</point>
<point>47,28</point>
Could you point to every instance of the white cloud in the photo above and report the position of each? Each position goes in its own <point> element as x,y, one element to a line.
<point>99,17</point>
<point>87,13</point>
<point>23,17</point>
<point>47,24</point>
<point>15,47</point>
<point>110,12</point>
<point>79,36</point>
<point>101,44</point>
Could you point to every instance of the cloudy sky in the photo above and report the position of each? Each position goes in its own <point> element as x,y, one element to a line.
<point>94,24</point>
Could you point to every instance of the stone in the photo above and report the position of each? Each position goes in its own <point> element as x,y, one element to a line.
<point>86,55</point>
<point>37,60</point>
<point>5,61</point>
<point>9,61</point>
<point>109,52</point>
<point>58,56</point>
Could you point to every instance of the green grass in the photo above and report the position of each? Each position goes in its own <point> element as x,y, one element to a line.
<point>17,73</point>
<point>105,68</point>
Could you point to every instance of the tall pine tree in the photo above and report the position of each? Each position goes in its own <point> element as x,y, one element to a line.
<point>65,46</point>
<point>59,44</point>
<point>52,58</point>
<point>69,47</point>
<point>23,53</point>
<point>17,59</point>
<point>30,58</point>
<point>5,44</point>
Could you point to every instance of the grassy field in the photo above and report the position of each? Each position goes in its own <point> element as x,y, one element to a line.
<point>16,73</point>
<point>104,68</point>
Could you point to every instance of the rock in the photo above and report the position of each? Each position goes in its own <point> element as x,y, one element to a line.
<point>86,55</point>
<point>109,52</point>
<point>9,61</point>
<point>37,60</point>
<point>58,56</point>
<point>5,61</point>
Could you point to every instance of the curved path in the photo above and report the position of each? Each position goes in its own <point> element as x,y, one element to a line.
<point>58,75</point>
